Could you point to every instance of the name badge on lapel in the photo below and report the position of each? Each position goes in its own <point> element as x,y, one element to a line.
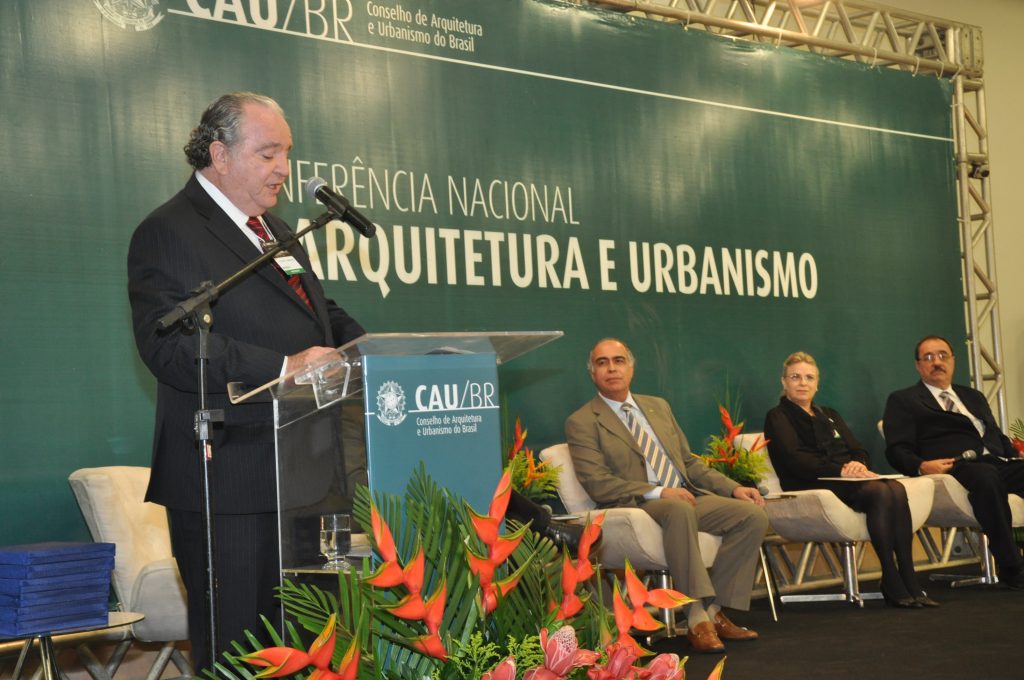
<point>288,264</point>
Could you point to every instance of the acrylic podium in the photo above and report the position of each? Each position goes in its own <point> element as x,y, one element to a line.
<point>375,409</point>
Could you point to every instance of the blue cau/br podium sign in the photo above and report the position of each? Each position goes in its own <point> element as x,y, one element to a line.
<point>438,409</point>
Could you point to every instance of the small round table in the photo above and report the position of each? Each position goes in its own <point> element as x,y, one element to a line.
<point>46,652</point>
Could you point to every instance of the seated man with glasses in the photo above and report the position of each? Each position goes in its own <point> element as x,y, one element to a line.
<point>930,425</point>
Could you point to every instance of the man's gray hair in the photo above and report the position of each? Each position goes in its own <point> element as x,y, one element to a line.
<point>629,353</point>
<point>222,122</point>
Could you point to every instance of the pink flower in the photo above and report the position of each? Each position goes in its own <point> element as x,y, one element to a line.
<point>620,664</point>
<point>664,667</point>
<point>561,655</point>
<point>506,670</point>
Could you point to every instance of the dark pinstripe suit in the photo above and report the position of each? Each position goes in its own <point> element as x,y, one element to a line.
<point>257,323</point>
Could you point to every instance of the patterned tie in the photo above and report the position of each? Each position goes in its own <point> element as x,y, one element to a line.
<point>947,402</point>
<point>656,457</point>
<point>293,280</point>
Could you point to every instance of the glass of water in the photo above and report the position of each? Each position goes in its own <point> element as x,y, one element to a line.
<point>335,539</point>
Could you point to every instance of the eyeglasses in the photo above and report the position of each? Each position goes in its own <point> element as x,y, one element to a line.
<point>932,356</point>
<point>797,377</point>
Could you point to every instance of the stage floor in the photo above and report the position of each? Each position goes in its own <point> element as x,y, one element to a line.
<point>977,633</point>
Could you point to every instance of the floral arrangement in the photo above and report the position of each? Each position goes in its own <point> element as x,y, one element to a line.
<point>1017,435</point>
<point>745,466</point>
<point>535,480</point>
<point>452,597</point>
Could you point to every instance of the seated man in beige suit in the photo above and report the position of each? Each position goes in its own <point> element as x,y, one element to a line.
<point>628,450</point>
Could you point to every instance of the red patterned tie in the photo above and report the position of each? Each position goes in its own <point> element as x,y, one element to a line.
<point>293,280</point>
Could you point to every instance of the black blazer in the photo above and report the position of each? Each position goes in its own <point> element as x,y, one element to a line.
<point>918,429</point>
<point>256,324</point>
<point>803,448</point>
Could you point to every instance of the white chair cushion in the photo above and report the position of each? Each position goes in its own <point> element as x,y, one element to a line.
<point>574,497</point>
<point>628,532</point>
<point>146,577</point>
<point>818,515</point>
<point>160,594</point>
<point>953,509</point>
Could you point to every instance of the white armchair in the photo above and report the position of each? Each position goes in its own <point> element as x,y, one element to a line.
<point>817,516</point>
<point>145,577</point>
<point>951,512</point>
<point>628,532</point>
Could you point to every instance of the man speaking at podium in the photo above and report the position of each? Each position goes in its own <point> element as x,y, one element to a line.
<point>273,322</point>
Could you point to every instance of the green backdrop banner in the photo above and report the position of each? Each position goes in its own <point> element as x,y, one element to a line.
<point>531,165</point>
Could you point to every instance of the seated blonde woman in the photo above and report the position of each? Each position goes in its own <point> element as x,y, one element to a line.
<point>809,441</point>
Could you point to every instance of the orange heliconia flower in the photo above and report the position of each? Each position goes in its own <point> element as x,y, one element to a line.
<point>759,444</point>
<point>430,645</point>
<point>278,661</point>
<point>487,526</point>
<point>499,548</point>
<point>571,604</point>
<point>491,591</point>
<point>731,430</point>
<point>281,661</point>
<point>534,470</point>
<point>591,531</point>
<point>412,607</point>
<point>662,598</point>
<point>519,438</point>
<point>389,573</point>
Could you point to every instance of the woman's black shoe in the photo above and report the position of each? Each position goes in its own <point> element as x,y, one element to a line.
<point>925,601</point>
<point>907,602</point>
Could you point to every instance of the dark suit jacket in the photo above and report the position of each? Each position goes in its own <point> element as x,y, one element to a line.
<point>256,324</point>
<point>608,460</point>
<point>918,429</point>
<point>804,448</point>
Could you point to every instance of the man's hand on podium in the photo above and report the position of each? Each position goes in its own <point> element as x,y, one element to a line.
<point>305,357</point>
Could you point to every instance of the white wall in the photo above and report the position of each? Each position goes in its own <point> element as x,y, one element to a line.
<point>1002,24</point>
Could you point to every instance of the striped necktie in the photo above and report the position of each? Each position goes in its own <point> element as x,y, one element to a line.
<point>655,455</point>
<point>293,280</point>
<point>947,402</point>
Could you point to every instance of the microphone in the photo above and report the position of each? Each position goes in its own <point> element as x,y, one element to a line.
<point>969,454</point>
<point>317,190</point>
<point>763,490</point>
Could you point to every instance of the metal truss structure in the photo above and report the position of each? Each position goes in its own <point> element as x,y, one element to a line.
<point>887,37</point>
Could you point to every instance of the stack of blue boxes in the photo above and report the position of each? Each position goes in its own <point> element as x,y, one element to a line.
<point>48,587</point>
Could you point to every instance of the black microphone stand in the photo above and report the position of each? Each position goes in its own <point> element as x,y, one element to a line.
<point>195,316</point>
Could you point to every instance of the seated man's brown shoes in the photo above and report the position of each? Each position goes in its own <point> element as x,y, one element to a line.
<point>727,630</point>
<point>704,639</point>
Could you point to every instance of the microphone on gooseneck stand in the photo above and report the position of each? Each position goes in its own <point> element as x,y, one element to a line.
<point>317,189</point>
